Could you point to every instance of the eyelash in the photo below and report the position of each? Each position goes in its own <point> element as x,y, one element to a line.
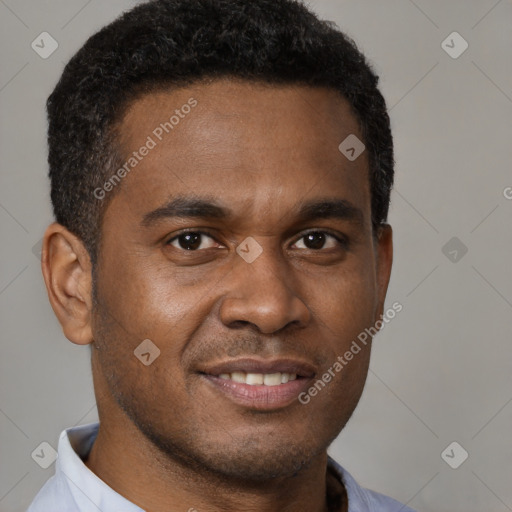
<point>341,240</point>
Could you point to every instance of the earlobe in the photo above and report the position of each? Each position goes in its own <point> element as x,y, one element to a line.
<point>384,264</point>
<point>67,273</point>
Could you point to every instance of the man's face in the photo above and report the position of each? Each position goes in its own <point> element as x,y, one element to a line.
<point>290,301</point>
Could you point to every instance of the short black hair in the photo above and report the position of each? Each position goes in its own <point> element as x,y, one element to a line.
<point>174,43</point>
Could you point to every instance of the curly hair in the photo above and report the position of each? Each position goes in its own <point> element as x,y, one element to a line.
<point>174,43</point>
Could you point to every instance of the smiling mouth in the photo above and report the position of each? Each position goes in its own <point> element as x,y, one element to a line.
<point>262,379</point>
<point>253,370</point>
<point>259,384</point>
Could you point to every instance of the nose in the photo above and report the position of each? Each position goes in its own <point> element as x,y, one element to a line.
<point>263,293</point>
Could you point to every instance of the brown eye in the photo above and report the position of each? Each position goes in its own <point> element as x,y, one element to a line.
<point>190,241</point>
<point>316,240</point>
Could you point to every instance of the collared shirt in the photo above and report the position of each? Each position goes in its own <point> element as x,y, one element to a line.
<point>75,488</point>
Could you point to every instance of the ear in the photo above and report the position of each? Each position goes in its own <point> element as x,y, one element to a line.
<point>384,261</point>
<point>67,272</point>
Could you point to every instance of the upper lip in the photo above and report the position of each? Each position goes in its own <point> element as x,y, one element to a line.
<point>250,365</point>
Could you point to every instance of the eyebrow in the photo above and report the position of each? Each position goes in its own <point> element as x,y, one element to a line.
<point>209,208</point>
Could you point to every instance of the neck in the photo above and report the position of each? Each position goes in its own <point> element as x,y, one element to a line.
<point>167,485</point>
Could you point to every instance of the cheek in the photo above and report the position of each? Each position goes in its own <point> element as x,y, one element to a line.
<point>147,299</point>
<point>147,303</point>
<point>345,302</point>
<point>145,390</point>
<point>344,307</point>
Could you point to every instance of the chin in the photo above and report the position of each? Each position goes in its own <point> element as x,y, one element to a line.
<point>263,463</point>
<point>252,458</point>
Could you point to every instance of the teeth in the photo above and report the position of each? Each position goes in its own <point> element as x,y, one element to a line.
<point>238,377</point>
<point>272,379</point>
<point>255,379</point>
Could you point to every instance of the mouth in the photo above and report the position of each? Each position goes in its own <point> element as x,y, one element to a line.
<point>260,384</point>
<point>259,379</point>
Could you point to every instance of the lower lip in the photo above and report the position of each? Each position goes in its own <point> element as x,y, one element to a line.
<point>260,397</point>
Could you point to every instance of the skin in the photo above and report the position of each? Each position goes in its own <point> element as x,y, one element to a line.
<point>168,439</point>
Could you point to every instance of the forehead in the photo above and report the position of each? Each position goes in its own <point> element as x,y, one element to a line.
<point>238,106</point>
<point>246,143</point>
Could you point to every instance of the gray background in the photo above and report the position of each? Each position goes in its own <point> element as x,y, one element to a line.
<point>441,371</point>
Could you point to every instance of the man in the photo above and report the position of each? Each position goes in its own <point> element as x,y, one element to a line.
<point>220,174</point>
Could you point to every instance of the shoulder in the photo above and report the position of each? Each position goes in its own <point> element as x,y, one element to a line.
<point>361,499</point>
<point>55,496</point>
<point>74,487</point>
